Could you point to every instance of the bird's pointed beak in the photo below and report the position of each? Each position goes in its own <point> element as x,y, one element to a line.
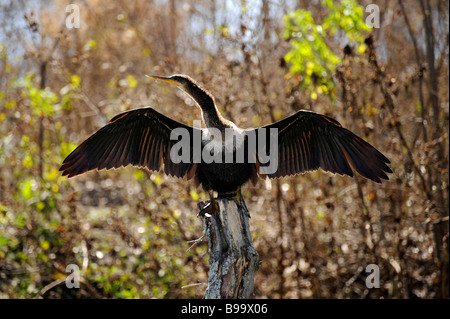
<point>164,78</point>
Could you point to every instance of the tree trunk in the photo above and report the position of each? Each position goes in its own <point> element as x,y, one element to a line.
<point>233,260</point>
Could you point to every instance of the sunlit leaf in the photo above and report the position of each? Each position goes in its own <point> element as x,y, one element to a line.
<point>75,81</point>
<point>4,240</point>
<point>45,244</point>
<point>131,81</point>
<point>28,161</point>
<point>361,48</point>
<point>194,195</point>
<point>90,45</point>
<point>26,188</point>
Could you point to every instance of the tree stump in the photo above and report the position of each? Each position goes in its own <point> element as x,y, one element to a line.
<point>233,259</point>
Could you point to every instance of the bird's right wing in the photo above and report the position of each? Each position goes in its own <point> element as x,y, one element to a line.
<point>139,137</point>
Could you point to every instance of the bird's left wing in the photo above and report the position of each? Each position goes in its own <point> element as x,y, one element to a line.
<point>139,137</point>
<point>308,141</point>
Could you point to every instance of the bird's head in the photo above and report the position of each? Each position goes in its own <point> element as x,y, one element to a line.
<point>182,81</point>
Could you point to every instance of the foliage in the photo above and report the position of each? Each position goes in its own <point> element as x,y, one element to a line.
<point>133,233</point>
<point>313,62</point>
<point>36,197</point>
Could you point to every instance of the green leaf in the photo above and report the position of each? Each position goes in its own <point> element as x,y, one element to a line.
<point>3,241</point>
<point>131,81</point>
<point>194,195</point>
<point>26,188</point>
<point>75,81</point>
<point>90,45</point>
<point>311,58</point>
<point>45,244</point>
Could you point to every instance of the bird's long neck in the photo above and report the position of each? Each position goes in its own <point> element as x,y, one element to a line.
<point>210,113</point>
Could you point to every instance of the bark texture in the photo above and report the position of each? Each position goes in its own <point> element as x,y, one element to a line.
<point>233,259</point>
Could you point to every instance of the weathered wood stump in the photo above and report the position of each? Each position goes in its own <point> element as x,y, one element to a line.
<point>233,260</point>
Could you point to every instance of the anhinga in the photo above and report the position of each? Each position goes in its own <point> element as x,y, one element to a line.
<point>307,141</point>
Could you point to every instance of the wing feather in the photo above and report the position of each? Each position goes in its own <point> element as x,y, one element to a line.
<point>139,137</point>
<point>308,141</point>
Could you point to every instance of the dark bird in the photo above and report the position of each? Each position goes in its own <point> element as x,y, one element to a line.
<point>307,141</point>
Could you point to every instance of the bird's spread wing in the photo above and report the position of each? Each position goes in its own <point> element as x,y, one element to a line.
<point>308,141</point>
<point>139,137</point>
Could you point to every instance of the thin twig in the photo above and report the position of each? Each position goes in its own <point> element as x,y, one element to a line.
<point>195,242</point>
<point>52,285</point>
<point>194,285</point>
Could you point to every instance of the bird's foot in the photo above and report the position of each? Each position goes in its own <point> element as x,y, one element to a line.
<point>207,208</point>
